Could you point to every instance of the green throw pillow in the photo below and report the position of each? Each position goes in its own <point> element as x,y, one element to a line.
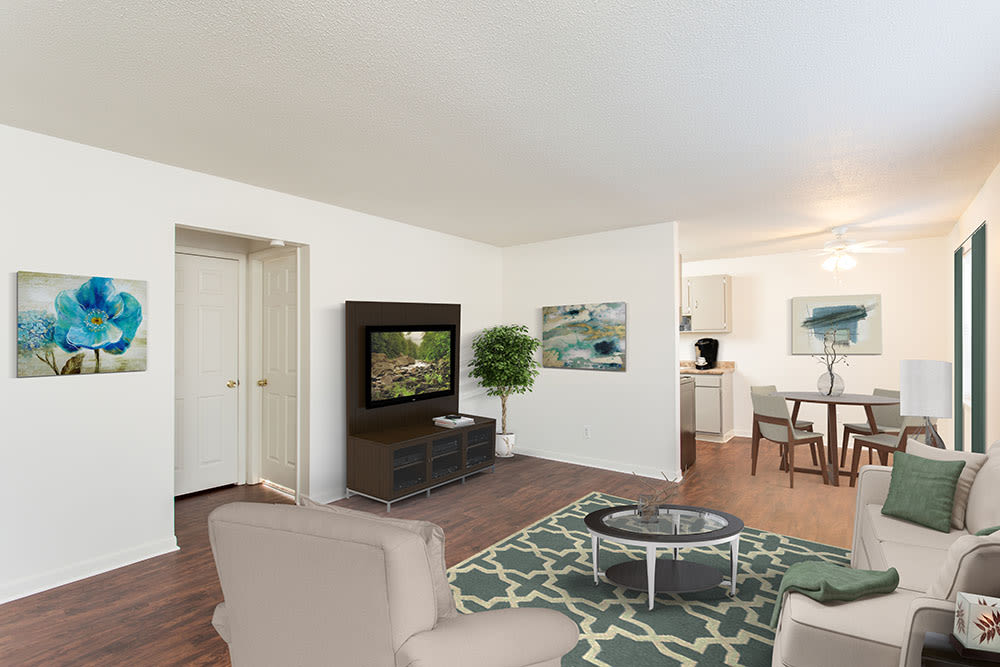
<point>987,531</point>
<point>922,490</point>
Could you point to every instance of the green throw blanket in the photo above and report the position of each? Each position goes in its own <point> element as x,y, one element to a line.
<point>826,582</point>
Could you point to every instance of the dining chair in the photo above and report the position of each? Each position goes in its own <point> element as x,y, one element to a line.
<point>801,424</point>
<point>885,443</point>
<point>887,419</point>
<point>772,422</point>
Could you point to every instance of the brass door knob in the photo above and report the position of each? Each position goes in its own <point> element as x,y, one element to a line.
<point>232,384</point>
<point>262,383</point>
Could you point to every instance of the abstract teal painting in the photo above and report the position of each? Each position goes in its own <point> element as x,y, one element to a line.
<point>588,336</point>
<point>75,325</point>
<point>854,323</point>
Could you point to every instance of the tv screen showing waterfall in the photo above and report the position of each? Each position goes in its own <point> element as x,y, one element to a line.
<point>407,363</point>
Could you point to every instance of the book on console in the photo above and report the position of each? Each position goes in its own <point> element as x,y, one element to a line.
<point>453,421</point>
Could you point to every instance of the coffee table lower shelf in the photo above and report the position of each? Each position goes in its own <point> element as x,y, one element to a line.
<point>672,576</point>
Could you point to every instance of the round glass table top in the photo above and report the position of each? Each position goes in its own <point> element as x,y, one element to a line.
<point>672,523</point>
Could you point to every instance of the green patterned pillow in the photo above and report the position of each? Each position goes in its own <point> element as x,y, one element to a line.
<point>922,490</point>
<point>987,531</point>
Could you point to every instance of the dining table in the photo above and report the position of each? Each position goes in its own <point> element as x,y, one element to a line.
<point>867,401</point>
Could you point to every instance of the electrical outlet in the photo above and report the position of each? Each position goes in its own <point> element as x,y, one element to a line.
<point>586,432</point>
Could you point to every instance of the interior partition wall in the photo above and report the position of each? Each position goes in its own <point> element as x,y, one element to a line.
<point>970,342</point>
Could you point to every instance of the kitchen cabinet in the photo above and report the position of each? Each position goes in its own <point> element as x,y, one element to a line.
<point>708,300</point>
<point>713,406</point>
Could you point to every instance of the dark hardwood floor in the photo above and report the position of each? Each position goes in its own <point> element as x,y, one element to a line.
<point>158,611</point>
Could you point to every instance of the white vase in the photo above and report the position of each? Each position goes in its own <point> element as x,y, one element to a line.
<point>505,445</point>
<point>830,384</point>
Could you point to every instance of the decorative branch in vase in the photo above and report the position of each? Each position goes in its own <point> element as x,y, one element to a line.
<point>648,504</point>
<point>829,383</point>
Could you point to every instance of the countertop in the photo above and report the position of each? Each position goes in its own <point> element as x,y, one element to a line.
<point>721,368</point>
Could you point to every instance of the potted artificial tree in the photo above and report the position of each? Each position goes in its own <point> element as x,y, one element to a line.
<point>503,360</point>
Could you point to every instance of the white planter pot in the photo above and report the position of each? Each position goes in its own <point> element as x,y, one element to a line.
<point>505,445</point>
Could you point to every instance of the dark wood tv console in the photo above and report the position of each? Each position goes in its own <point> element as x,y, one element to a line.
<point>397,463</point>
<point>396,451</point>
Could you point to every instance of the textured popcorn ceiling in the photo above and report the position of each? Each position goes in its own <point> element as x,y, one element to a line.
<point>756,125</point>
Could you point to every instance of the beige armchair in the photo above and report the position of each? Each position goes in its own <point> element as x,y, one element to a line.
<point>888,630</point>
<point>312,587</point>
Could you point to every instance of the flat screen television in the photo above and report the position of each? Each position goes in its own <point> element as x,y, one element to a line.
<point>409,363</point>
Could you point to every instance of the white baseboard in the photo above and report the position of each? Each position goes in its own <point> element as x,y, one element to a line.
<point>325,498</point>
<point>603,464</point>
<point>26,586</point>
<point>707,437</point>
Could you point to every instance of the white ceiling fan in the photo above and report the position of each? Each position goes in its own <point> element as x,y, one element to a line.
<point>841,249</point>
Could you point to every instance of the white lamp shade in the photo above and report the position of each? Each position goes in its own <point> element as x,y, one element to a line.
<point>925,388</point>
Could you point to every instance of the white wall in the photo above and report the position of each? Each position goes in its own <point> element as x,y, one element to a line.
<point>916,321</point>
<point>986,207</point>
<point>632,415</point>
<point>88,481</point>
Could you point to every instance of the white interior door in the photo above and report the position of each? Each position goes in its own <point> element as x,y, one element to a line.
<point>206,403</point>
<point>279,363</point>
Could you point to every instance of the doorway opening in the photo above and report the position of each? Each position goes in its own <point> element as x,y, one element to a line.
<point>241,347</point>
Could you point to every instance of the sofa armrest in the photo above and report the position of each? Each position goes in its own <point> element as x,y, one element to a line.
<point>873,489</point>
<point>925,615</point>
<point>220,621</point>
<point>497,638</point>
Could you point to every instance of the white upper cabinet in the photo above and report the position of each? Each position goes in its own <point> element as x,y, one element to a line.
<point>709,300</point>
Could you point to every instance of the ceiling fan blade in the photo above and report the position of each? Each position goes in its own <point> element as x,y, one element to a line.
<point>864,244</point>
<point>878,251</point>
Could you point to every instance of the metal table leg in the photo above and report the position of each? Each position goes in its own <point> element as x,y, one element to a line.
<point>734,561</point>
<point>651,574</point>
<point>595,551</point>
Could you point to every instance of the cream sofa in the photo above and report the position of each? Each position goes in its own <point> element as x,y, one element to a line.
<point>933,566</point>
<point>315,587</point>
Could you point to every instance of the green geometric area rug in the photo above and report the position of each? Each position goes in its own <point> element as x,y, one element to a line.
<point>548,565</point>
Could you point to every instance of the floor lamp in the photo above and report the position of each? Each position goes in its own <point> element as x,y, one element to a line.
<point>925,391</point>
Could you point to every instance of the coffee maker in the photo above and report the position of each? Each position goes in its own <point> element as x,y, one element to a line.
<point>706,353</point>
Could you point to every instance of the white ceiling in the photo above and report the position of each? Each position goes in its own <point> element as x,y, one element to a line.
<point>756,125</point>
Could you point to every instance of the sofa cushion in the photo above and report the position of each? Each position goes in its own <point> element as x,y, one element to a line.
<point>868,631</point>
<point>923,490</point>
<point>984,498</point>
<point>888,529</point>
<point>973,462</point>
<point>917,566</point>
<point>433,536</point>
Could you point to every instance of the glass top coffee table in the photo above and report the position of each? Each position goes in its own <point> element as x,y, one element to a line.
<point>673,527</point>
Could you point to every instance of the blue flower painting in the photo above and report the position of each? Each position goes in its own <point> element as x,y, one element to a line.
<point>72,325</point>
<point>588,336</point>
<point>853,323</point>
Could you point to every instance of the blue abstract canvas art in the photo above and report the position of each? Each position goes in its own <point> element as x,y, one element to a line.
<point>853,323</point>
<point>77,325</point>
<point>588,336</point>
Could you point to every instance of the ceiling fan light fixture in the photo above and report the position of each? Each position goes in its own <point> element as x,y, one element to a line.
<point>839,261</point>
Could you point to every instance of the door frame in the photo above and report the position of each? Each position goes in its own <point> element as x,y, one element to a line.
<point>241,356</point>
<point>256,363</point>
